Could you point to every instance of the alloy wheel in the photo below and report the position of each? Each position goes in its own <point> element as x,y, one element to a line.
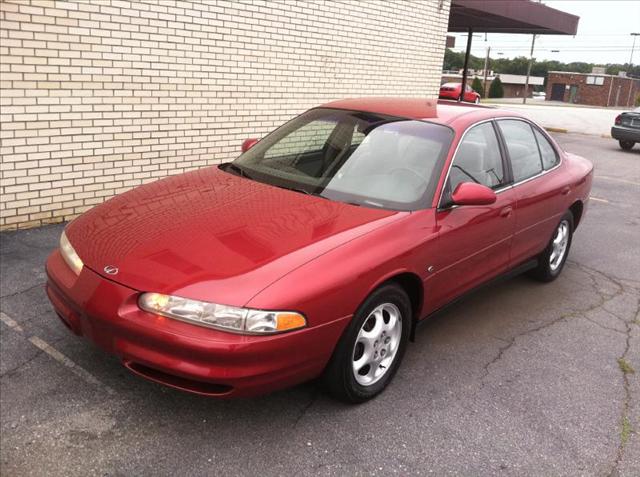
<point>559,245</point>
<point>377,344</point>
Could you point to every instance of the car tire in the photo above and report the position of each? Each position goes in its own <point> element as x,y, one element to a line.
<point>373,332</point>
<point>626,145</point>
<point>552,259</point>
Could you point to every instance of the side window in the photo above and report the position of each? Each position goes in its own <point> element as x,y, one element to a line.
<point>478,159</point>
<point>522,148</point>
<point>548,153</point>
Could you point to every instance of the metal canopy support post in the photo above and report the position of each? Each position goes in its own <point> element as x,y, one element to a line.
<point>466,65</point>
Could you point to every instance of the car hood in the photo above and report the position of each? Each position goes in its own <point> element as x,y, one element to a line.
<point>211,235</point>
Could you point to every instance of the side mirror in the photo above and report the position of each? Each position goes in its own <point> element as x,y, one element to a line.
<point>470,193</point>
<point>248,144</point>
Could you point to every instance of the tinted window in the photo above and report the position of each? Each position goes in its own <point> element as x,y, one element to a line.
<point>478,159</point>
<point>363,158</point>
<point>308,139</point>
<point>522,148</point>
<point>548,153</point>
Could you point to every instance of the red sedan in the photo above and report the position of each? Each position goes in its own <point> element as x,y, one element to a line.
<point>452,91</point>
<point>319,250</point>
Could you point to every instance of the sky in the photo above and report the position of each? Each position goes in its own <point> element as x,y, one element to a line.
<point>603,35</point>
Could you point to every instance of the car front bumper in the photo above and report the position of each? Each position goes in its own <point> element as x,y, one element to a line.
<point>181,355</point>
<point>622,133</point>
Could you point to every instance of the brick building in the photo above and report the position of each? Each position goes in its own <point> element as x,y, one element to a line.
<point>595,89</point>
<point>513,85</point>
<point>100,96</point>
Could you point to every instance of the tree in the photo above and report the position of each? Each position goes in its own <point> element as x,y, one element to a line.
<point>454,61</point>
<point>496,90</point>
<point>518,66</point>
<point>476,85</point>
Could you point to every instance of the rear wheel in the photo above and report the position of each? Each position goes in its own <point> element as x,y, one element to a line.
<point>371,349</point>
<point>626,145</point>
<point>551,261</point>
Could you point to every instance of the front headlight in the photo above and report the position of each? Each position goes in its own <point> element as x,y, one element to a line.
<point>69,254</point>
<point>223,317</point>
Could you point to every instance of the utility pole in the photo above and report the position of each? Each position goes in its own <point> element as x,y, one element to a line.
<point>486,67</point>
<point>634,35</point>
<point>526,82</point>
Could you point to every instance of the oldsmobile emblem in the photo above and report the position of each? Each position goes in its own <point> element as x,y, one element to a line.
<point>111,270</point>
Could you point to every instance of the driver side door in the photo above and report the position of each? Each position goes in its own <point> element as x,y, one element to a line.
<point>474,242</point>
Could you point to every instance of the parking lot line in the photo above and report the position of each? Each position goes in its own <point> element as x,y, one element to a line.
<point>57,355</point>
<point>615,179</point>
<point>73,367</point>
<point>597,199</point>
<point>10,322</point>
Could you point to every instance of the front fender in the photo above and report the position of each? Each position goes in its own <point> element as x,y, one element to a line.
<point>334,285</point>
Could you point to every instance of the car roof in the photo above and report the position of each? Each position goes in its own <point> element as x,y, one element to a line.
<point>437,111</point>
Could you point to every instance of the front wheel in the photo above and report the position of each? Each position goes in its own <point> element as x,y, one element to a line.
<point>371,349</point>
<point>626,145</point>
<point>551,261</point>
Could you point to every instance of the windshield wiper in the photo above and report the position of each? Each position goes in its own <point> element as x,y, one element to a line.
<point>237,169</point>
<point>302,191</point>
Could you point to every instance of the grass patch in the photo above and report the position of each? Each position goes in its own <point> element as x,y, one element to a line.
<point>626,430</point>
<point>625,367</point>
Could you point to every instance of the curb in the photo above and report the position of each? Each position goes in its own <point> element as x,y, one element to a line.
<point>557,130</point>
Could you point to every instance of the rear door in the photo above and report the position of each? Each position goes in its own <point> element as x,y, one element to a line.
<point>539,187</point>
<point>474,241</point>
<point>557,92</point>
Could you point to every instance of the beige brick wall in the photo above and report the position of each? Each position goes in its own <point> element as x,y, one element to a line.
<point>98,97</point>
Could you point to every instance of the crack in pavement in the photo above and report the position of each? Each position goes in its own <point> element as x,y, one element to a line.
<point>603,299</point>
<point>600,325</point>
<point>312,400</point>
<point>621,287</point>
<point>626,401</point>
<point>20,292</point>
<point>17,368</point>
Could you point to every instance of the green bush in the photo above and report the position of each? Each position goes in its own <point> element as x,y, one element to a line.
<point>638,100</point>
<point>496,90</point>
<point>476,85</point>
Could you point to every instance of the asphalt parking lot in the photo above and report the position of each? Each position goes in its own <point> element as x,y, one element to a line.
<point>520,378</point>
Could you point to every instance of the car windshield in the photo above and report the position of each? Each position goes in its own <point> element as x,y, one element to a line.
<point>357,157</point>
